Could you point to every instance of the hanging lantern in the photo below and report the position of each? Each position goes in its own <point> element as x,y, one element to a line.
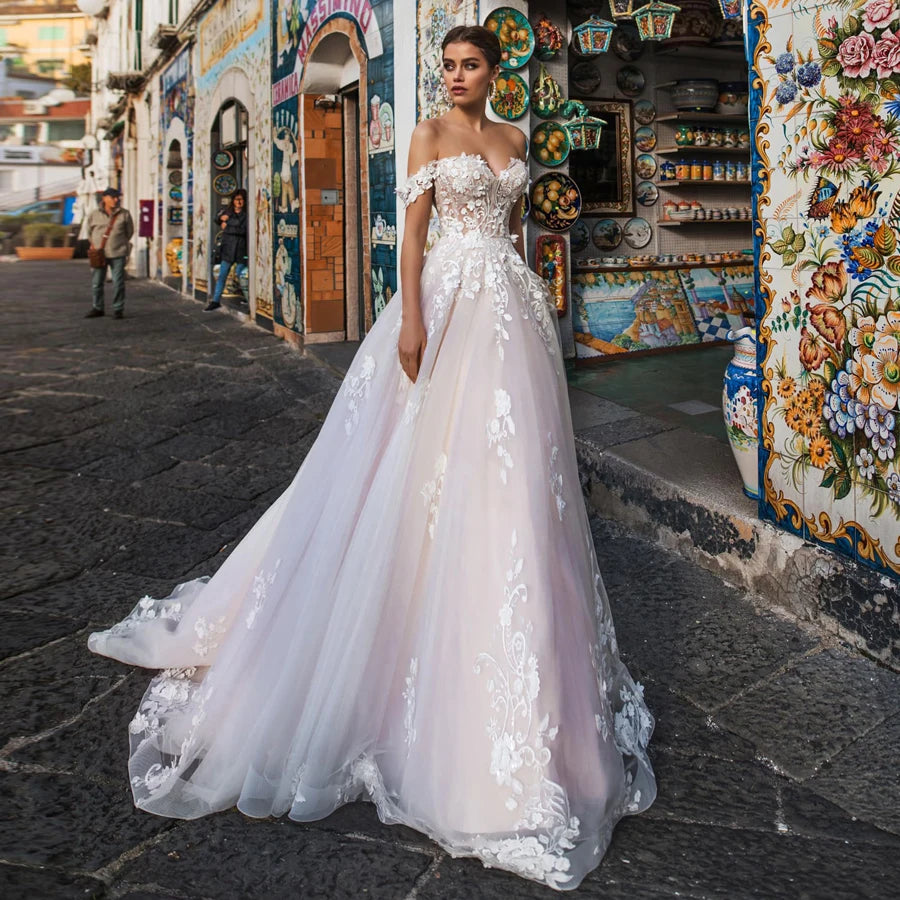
<point>731,9</point>
<point>654,21</point>
<point>584,132</point>
<point>621,9</point>
<point>593,36</point>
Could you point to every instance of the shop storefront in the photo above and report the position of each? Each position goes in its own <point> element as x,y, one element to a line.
<point>737,184</point>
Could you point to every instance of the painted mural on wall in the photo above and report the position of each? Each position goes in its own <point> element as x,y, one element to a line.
<point>434,18</point>
<point>830,272</point>
<point>285,156</point>
<point>239,40</point>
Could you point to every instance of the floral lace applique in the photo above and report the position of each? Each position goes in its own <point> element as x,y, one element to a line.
<point>409,695</point>
<point>431,492</point>
<point>519,755</point>
<point>556,479</point>
<point>208,634</point>
<point>356,389</point>
<point>148,608</point>
<point>261,585</point>
<point>417,184</point>
<point>500,428</point>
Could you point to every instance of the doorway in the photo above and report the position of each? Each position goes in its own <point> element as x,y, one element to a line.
<point>229,171</point>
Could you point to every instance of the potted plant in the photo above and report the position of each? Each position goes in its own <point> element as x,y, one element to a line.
<point>45,240</point>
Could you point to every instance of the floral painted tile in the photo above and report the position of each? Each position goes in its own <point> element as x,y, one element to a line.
<point>834,270</point>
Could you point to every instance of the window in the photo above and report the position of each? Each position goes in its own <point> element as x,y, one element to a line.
<point>173,12</point>
<point>49,66</point>
<point>65,131</point>
<point>52,33</point>
<point>3,39</point>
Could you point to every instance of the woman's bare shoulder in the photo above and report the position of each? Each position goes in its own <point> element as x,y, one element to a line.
<point>511,138</point>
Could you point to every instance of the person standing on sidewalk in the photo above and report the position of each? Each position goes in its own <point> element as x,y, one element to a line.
<point>234,244</point>
<point>121,228</point>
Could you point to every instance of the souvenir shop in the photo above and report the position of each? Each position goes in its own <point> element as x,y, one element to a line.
<point>640,164</point>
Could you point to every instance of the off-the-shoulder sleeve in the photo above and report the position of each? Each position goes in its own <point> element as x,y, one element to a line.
<point>417,184</point>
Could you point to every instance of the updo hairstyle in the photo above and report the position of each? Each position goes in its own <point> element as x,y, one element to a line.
<point>479,36</point>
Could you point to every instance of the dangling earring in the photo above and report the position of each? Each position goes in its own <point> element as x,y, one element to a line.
<point>444,94</point>
<point>492,93</point>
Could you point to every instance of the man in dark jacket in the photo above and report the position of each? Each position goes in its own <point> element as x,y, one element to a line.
<point>233,244</point>
<point>116,250</point>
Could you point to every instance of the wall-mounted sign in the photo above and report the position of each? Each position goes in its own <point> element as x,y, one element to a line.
<point>228,25</point>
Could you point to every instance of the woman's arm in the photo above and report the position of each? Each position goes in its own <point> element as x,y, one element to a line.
<point>412,340</point>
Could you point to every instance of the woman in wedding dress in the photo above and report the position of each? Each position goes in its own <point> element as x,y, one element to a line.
<point>419,619</point>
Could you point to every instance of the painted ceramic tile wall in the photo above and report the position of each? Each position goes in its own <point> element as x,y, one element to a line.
<point>827,148</point>
<point>296,22</point>
<point>176,116</point>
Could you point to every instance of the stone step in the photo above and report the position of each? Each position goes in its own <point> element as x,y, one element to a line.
<point>683,490</point>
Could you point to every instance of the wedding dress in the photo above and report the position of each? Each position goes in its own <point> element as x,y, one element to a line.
<point>419,619</point>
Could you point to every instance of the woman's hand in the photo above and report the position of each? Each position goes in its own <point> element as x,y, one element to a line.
<point>411,346</point>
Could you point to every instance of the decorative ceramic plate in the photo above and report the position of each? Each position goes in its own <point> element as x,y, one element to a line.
<point>515,36</point>
<point>224,159</point>
<point>644,138</point>
<point>630,80</point>
<point>224,184</point>
<point>510,100</point>
<point>585,76</point>
<point>526,205</point>
<point>175,176</point>
<point>175,193</point>
<point>646,193</point>
<point>579,236</point>
<point>637,232</point>
<point>644,112</point>
<point>626,43</point>
<point>645,165</point>
<point>607,234</point>
<point>555,201</point>
<point>550,144</point>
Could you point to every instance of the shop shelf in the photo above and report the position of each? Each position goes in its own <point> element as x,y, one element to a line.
<point>664,224</point>
<point>704,117</point>
<point>692,183</point>
<point>733,151</point>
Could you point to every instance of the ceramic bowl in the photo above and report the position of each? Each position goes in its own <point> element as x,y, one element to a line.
<point>695,95</point>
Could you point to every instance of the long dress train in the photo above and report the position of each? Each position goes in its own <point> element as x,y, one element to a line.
<point>419,618</point>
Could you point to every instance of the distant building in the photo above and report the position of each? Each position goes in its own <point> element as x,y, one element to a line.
<point>44,37</point>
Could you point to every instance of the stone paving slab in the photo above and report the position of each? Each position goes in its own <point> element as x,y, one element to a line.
<point>228,856</point>
<point>775,746</point>
<point>818,707</point>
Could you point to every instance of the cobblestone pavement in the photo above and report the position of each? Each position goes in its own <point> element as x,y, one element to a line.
<point>136,453</point>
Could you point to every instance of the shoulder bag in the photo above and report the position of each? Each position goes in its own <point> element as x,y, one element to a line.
<point>96,256</point>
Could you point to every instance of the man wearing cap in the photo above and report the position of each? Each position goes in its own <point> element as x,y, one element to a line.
<point>115,249</point>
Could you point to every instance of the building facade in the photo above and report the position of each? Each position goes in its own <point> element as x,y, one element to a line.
<point>309,105</point>
<point>45,37</point>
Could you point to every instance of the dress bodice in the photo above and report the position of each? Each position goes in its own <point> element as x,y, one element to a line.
<point>468,194</point>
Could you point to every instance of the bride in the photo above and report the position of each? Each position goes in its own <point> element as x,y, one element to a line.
<point>419,619</point>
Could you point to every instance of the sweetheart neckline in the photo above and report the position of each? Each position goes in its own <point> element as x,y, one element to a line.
<point>512,161</point>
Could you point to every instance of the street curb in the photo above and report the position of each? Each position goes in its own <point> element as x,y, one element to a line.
<point>719,532</point>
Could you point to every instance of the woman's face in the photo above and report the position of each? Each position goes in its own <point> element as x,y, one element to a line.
<point>238,203</point>
<point>467,74</point>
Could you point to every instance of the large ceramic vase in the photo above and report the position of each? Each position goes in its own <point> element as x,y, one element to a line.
<point>740,404</point>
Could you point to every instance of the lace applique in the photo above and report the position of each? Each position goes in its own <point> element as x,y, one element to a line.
<point>208,634</point>
<point>415,401</point>
<point>171,692</point>
<point>431,492</point>
<point>356,389</point>
<point>261,585</point>
<point>633,722</point>
<point>417,184</point>
<point>556,479</point>
<point>500,428</point>
<point>148,608</point>
<point>409,695</point>
<point>519,756</point>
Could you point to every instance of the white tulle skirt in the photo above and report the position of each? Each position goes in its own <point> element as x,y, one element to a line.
<point>419,619</point>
